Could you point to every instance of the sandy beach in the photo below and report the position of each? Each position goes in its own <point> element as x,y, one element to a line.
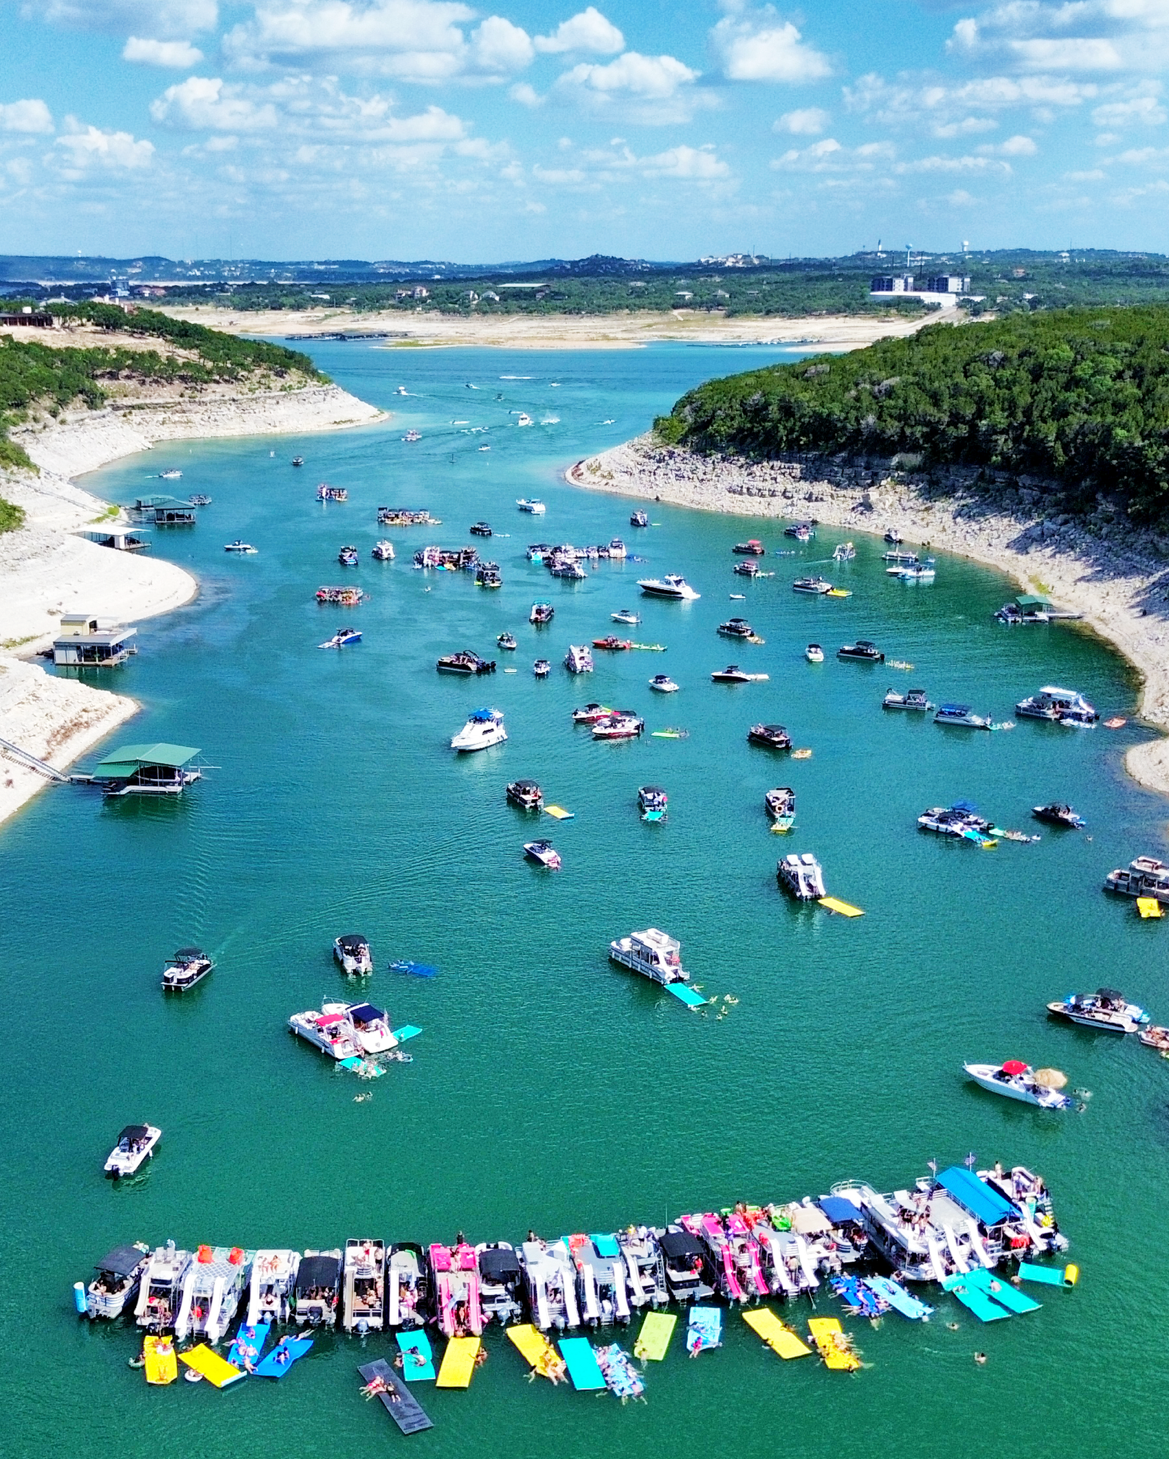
<point>1113,574</point>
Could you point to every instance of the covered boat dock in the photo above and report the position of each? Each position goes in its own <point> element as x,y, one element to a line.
<point>158,769</point>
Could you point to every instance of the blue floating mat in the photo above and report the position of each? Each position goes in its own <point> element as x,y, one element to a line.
<point>282,1357</point>
<point>704,1329</point>
<point>999,1290</point>
<point>899,1299</point>
<point>407,1031</point>
<point>581,1362</point>
<point>413,969</point>
<point>361,1066</point>
<point>248,1345</point>
<point>685,994</point>
<point>972,1295</point>
<point>413,1346</point>
<point>1050,1276</point>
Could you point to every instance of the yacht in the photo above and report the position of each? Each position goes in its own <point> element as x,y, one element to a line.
<point>480,529</point>
<point>550,1279</point>
<point>769,736</point>
<point>239,545</point>
<point>501,1281</point>
<point>119,1275</point>
<point>1106,1009</point>
<point>487,575</point>
<point>348,557</point>
<point>863,649</point>
<point>747,568</point>
<point>158,1291</point>
<point>1016,1080</point>
<point>962,716</point>
<point>601,1280</point>
<point>639,519</point>
<point>663,684</point>
<point>1057,705</point>
<point>134,1148</point>
<point>579,659</point>
<point>911,699</point>
<point>816,585</point>
<point>531,504</point>
<point>843,552</point>
<point>483,729</point>
<point>506,641</point>
<point>543,853</point>
<point>751,548</point>
<point>464,662</point>
<point>732,674</point>
<point>654,954</point>
<point>454,1273</point>
<point>526,794</point>
<point>270,1293</point>
<point>801,876</point>
<point>345,1030</point>
<point>317,1288</point>
<point>407,1286</point>
<point>342,638</point>
<point>687,1269</point>
<point>371,1028</point>
<point>801,531</point>
<point>363,1307</point>
<point>644,1267</point>
<point>736,628</point>
<point>351,951</point>
<point>671,586</point>
<point>541,613</point>
<point>652,801</point>
<point>814,653</point>
<point>1144,876</point>
<point>591,714</point>
<point>1058,813</point>
<point>626,615</point>
<point>781,807</point>
<point>213,1287</point>
<point>622,724</point>
<point>190,965</point>
<point>617,550</point>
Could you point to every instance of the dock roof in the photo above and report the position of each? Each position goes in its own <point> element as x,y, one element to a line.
<point>121,763</point>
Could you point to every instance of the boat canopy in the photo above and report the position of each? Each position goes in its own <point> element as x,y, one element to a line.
<point>188,954</point>
<point>839,1210</point>
<point>366,1013</point>
<point>955,709</point>
<point>127,760</point>
<point>808,1221</point>
<point>317,1271</point>
<point>481,716</point>
<point>123,1261</point>
<point>679,1244</point>
<point>499,1265</point>
<point>976,1196</point>
<point>134,1132</point>
<point>352,942</point>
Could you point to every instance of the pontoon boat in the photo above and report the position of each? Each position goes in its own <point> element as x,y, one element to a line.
<point>654,954</point>
<point>480,529</point>
<point>736,628</point>
<point>652,801</point>
<point>644,1267</point>
<point>190,965</point>
<point>817,585</point>
<point>769,736</point>
<point>911,699</point>
<point>526,794</point>
<point>801,876</point>
<point>1057,705</point>
<point>688,1273</point>
<point>748,568</point>
<point>364,1286</point>
<point>781,807</point>
<point>119,1274</point>
<point>500,1283</point>
<point>863,649</point>
<point>801,531</point>
<point>407,1286</point>
<point>316,1289</point>
<point>751,548</point>
<point>270,1293</point>
<point>454,1272</point>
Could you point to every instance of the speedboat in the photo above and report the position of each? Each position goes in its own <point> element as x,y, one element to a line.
<point>687,1268</point>
<point>652,953</point>
<point>673,585</point>
<point>1106,1009</point>
<point>1016,1080</point>
<point>911,699</point>
<point>814,653</point>
<point>531,504</point>
<point>135,1146</point>
<point>464,662</point>
<point>371,1028</point>
<point>591,714</point>
<point>345,1030</point>
<point>171,474</point>
<point>617,549</point>
<point>639,519</point>
<point>480,529</point>
<point>239,545</point>
<point>962,716</point>
<point>543,853</point>
<point>626,615</point>
<point>541,613</point>
<point>781,807</point>
<point>483,729</point>
<point>769,736</point>
<point>342,638</point>
<point>751,548</point>
<point>816,585</point>
<point>298,460</point>
<point>1144,876</point>
<point>579,659</point>
<point>412,435</point>
<point>844,552</point>
<point>915,572</point>
<point>119,1274</point>
<point>541,668</point>
<point>960,820</point>
<point>270,1293</point>
<point>732,674</point>
<point>550,1278</point>
<point>526,794</point>
<point>863,649</point>
<point>317,1288</point>
<point>652,801</point>
<point>506,641</point>
<point>892,535</point>
<point>487,575</point>
<point>1058,705</point>
<point>347,557</point>
<point>801,876</point>
<point>190,965</point>
<point>663,684</point>
<point>351,951</point>
<point>363,1307</point>
<point>159,1288</point>
<point>501,1281</point>
<point>601,1279</point>
<point>1156,1036</point>
<point>1058,813</point>
<point>644,1267</point>
<point>622,724</point>
<point>612,643</point>
<point>736,628</point>
<point>213,1287</point>
<point>748,568</point>
<point>801,531</point>
<point>524,419</point>
<point>407,1286</point>
<point>383,551</point>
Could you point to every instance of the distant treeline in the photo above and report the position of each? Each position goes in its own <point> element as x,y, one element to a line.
<point>1080,396</point>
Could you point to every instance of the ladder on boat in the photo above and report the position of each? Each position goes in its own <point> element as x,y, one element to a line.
<point>30,762</point>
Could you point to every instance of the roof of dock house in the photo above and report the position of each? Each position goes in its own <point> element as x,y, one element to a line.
<point>126,759</point>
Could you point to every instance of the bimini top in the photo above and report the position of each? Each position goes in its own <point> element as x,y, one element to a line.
<point>676,1244</point>
<point>134,1132</point>
<point>839,1211</point>
<point>366,1013</point>
<point>955,709</point>
<point>987,1205</point>
<point>482,716</point>
<point>317,1271</point>
<point>123,1261</point>
<point>498,1265</point>
<point>352,942</point>
<point>189,954</point>
<point>126,760</point>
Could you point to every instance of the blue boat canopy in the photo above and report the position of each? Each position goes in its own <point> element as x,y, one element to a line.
<point>839,1210</point>
<point>482,716</point>
<point>955,709</point>
<point>984,1204</point>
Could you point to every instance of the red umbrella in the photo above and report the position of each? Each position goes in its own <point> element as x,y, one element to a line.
<point>1014,1066</point>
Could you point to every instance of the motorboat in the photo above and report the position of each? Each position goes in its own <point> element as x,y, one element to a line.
<point>843,552</point>
<point>298,460</point>
<point>526,794</point>
<point>915,572</point>
<point>785,1259</point>
<point>550,1280</point>
<point>363,1286</point>
<point>1016,1080</point>
<point>213,1287</point>
<point>464,662</point>
<point>159,1288</point>
<point>412,435</point>
<point>317,1289</point>
<point>622,724</point>
<point>1057,705</point>
<point>196,499</point>
<point>487,575</point>
<point>899,559</point>
<point>270,1291</point>
<point>686,1265</point>
<point>507,641</point>
<point>119,1275</point>
<point>736,628</point>
<point>371,1028</point>
<point>134,1148</point>
<point>348,557</point>
<point>617,549</point>
<point>652,801</point>
<point>863,649</point>
<point>751,548</point>
<point>801,876</point>
<point>171,474</point>
<point>732,674</point>
<point>960,820</point>
<point>351,951</point>
<point>1059,813</point>
<point>663,684</point>
<point>612,643</point>
<point>524,419</point>
<point>747,568</point>
<point>735,1260</point>
<point>383,551</point>
<point>543,853</point>
<point>480,529</point>
<point>541,668</point>
<point>892,535</point>
<point>626,615</point>
<point>801,531</point>
<point>911,699</point>
<point>814,653</point>
<point>483,729</point>
<point>671,586</point>
<point>769,736</point>
<point>652,953</point>
<point>345,1030</point>
<point>601,1280</point>
<point>817,585</point>
<point>501,1283</point>
<point>962,716</point>
<point>639,519</point>
<point>541,613</point>
<point>239,545</point>
<point>781,807</point>
<point>1144,876</point>
<point>407,1286</point>
<point>531,505</point>
<point>1104,1009</point>
<point>591,714</point>
<point>190,965</point>
<point>579,659</point>
<point>342,638</point>
<point>327,493</point>
<point>1156,1036</point>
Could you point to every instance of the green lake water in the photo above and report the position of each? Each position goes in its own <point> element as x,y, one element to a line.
<point>550,1089</point>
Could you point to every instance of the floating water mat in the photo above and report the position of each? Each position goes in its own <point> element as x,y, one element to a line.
<point>1150,907</point>
<point>776,1334</point>
<point>211,1366</point>
<point>704,1329</point>
<point>249,1344</point>
<point>407,1031</point>
<point>415,970</point>
<point>832,1344</point>
<point>535,1348</point>
<point>383,1383</point>
<point>581,1361</point>
<point>458,1363</point>
<point>161,1364</point>
<point>834,904</point>
<point>654,1337</point>
<point>559,813</point>
<point>686,994</point>
<point>1066,1276</point>
<point>286,1352</point>
<point>801,754</point>
<point>417,1357</point>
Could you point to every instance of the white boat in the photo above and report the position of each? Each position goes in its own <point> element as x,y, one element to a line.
<point>158,1294</point>
<point>622,724</point>
<point>814,653</point>
<point>626,615</point>
<point>406,1286</point>
<point>1058,705</point>
<point>213,1286</point>
<point>801,876</point>
<point>345,1030</point>
<point>652,953</point>
<point>170,475</point>
<point>550,1278</point>
<point>673,585</point>
<point>616,548</point>
<point>135,1146</point>
<point>524,419</point>
<point>119,1274</point>
<point>844,552</point>
<point>1105,1009</point>
<point>371,1028</point>
<point>1144,876</point>
<point>544,853</point>
<point>911,699</point>
<point>732,674</point>
<point>663,684</point>
<point>483,729</point>
<point>190,965</point>
<point>270,1292</point>
<point>579,659</point>
<point>915,572</point>
<point>351,951</point>
<point>1016,1080</point>
<point>239,545</point>
<point>531,504</point>
<point>317,1288</point>
<point>963,716</point>
<point>383,551</point>
<point>363,1286</point>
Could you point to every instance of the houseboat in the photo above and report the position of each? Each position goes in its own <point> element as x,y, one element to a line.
<point>801,876</point>
<point>487,575</point>
<point>213,1287</point>
<point>550,1282</point>
<point>407,1286</point>
<point>542,668</point>
<point>1144,876</point>
<point>541,613</point>
<point>579,659</point>
<point>383,551</point>
<point>639,519</point>
<point>158,1293</point>
<point>119,1275</point>
<point>863,649</point>
<point>769,736</point>
<point>899,1229</point>
<point>751,548</point>
<point>363,1306</point>
<point>526,794</point>
<point>601,1280</point>
<point>672,586</point>
<point>843,552</point>
<point>483,729</point>
<point>317,1289</point>
<point>270,1291</point>
<point>190,965</point>
<point>652,953</point>
<point>135,1147</point>
<point>348,557</point>
<point>351,953</point>
<point>1057,705</point>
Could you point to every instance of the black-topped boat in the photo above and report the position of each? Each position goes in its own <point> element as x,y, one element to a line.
<point>190,965</point>
<point>1058,813</point>
<point>863,649</point>
<point>736,628</point>
<point>770,736</point>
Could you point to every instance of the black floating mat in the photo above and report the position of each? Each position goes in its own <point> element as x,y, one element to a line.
<point>405,1410</point>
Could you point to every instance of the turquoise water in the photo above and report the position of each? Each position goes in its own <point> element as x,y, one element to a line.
<point>548,1088</point>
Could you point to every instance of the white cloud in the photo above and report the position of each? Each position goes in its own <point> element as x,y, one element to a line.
<point>1094,175</point>
<point>829,155</point>
<point>162,19</point>
<point>498,45</point>
<point>694,163</point>
<point>526,94</point>
<point>180,54</point>
<point>650,89</point>
<point>755,45</point>
<point>1141,110</point>
<point>588,31</point>
<point>204,103</point>
<point>88,146</point>
<point>808,121</point>
<point>25,116</point>
<point>953,164</point>
<point>970,107</point>
<point>1069,36</point>
<point>1018,146</point>
<point>960,198</point>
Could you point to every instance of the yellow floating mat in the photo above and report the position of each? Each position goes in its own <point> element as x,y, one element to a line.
<point>777,1335</point>
<point>161,1365</point>
<point>458,1363</point>
<point>1150,907</point>
<point>538,1351</point>
<point>559,812</point>
<point>215,1369</point>
<point>654,1337</point>
<point>828,1335</point>
<point>834,904</point>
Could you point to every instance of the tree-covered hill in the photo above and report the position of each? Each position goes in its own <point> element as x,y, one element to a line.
<point>1080,396</point>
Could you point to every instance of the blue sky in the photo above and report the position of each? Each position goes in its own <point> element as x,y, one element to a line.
<point>432,128</point>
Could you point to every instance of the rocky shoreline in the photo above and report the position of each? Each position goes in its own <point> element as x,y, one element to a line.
<point>1100,566</point>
